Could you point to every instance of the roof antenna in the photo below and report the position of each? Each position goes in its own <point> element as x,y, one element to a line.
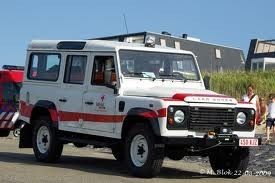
<point>125,22</point>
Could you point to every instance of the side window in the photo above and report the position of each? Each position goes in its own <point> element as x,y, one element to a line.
<point>43,66</point>
<point>104,71</point>
<point>75,69</point>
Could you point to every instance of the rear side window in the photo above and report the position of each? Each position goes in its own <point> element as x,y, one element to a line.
<point>43,66</point>
<point>75,69</point>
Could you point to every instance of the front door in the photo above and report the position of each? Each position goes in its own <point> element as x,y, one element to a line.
<point>99,101</point>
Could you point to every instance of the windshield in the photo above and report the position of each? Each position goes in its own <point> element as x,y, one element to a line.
<point>158,65</point>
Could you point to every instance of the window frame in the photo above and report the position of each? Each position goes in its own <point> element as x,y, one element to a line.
<point>93,69</point>
<point>196,65</point>
<point>31,63</point>
<point>65,71</point>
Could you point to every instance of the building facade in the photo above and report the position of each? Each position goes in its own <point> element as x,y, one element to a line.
<point>261,55</point>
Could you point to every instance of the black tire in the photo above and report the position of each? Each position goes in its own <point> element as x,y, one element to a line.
<point>175,155</point>
<point>79,145</point>
<point>118,152</point>
<point>4,133</point>
<point>55,147</point>
<point>155,155</point>
<point>229,162</point>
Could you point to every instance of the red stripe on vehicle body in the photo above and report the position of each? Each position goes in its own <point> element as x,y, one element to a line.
<point>54,115</point>
<point>152,114</point>
<point>73,116</point>
<point>25,109</point>
<point>171,99</point>
<point>162,112</point>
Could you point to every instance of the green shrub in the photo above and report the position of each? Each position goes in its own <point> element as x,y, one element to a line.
<point>234,83</point>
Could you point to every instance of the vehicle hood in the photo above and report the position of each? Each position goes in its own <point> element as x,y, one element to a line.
<point>165,92</point>
<point>187,95</point>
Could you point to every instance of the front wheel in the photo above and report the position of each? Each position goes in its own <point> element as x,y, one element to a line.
<point>143,155</point>
<point>46,146</point>
<point>229,162</point>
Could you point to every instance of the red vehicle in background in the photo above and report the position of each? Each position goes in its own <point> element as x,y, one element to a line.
<point>11,78</point>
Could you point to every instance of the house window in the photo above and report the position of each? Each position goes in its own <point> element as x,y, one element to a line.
<point>162,42</point>
<point>218,53</point>
<point>177,45</point>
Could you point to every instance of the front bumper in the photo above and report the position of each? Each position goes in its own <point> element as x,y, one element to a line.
<point>207,141</point>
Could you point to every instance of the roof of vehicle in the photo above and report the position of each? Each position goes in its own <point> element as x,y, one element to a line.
<point>98,45</point>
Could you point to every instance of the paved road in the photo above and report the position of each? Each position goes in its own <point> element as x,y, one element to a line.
<point>88,165</point>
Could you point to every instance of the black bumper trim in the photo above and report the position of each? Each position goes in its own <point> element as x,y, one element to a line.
<point>224,140</point>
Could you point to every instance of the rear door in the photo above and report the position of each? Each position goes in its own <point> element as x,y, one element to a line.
<point>71,95</point>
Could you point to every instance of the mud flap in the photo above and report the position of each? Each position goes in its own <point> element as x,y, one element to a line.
<point>25,140</point>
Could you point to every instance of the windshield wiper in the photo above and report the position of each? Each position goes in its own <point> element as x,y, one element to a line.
<point>176,76</point>
<point>143,73</point>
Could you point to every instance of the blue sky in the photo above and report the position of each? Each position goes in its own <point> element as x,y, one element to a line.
<point>231,23</point>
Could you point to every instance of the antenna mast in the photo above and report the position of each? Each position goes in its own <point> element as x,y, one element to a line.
<point>125,22</point>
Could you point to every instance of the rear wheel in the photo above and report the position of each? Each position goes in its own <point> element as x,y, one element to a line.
<point>46,146</point>
<point>143,155</point>
<point>228,162</point>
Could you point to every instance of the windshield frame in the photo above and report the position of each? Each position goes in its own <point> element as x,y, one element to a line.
<point>176,52</point>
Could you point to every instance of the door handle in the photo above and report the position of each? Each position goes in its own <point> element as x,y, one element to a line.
<point>89,103</point>
<point>63,100</point>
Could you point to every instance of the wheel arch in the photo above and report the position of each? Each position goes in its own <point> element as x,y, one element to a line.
<point>45,108</point>
<point>141,115</point>
<point>41,108</point>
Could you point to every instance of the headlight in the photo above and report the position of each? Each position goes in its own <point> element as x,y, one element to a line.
<point>179,116</point>
<point>241,118</point>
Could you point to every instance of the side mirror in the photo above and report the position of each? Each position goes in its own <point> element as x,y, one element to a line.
<point>114,86</point>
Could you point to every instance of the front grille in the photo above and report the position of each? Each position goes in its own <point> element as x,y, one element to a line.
<point>202,118</point>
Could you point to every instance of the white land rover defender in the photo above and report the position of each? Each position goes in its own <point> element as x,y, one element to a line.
<point>142,101</point>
